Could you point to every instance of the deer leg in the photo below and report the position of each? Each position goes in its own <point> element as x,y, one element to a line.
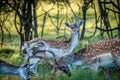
<point>107,74</point>
<point>118,62</point>
<point>54,70</point>
<point>94,67</point>
<point>35,62</point>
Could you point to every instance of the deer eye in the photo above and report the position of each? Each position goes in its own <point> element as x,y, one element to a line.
<point>63,66</point>
<point>75,25</point>
<point>28,45</point>
<point>24,52</point>
<point>72,27</point>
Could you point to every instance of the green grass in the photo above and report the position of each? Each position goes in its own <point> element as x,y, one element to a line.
<point>44,70</point>
<point>44,73</point>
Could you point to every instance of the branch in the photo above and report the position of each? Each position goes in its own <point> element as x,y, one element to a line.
<point>11,6</point>
<point>61,21</point>
<point>16,24</point>
<point>64,35</point>
<point>51,19</point>
<point>105,2</point>
<point>115,4</point>
<point>113,10</point>
<point>47,10</point>
<point>111,2</point>
<point>72,10</point>
<point>108,29</point>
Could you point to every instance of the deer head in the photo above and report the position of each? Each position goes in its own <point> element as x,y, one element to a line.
<point>75,26</point>
<point>63,64</point>
<point>23,71</point>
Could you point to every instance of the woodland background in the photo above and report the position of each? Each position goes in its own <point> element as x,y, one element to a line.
<point>23,20</point>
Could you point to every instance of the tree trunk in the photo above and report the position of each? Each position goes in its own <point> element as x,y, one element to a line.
<point>44,20</point>
<point>118,17</point>
<point>84,10</point>
<point>2,35</point>
<point>83,29</point>
<point>104,17</point>
<point>58,12</point>
<point>9,34</point>
<point>35,19</point>
<point>27,20</point>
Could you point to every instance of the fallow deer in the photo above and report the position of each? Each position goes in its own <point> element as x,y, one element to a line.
<point>59,47</point>
<point>23,70</point>
<point>104,53</point>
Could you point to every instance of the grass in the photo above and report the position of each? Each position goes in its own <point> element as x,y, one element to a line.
<point>77,74</point>
<point>44,70</point>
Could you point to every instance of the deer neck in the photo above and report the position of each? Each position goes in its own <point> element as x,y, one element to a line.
<point>73,41</point>
<point>77,58</point>
<point>73,59</point>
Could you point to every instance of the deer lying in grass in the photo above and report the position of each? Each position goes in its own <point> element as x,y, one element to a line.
<point>105,53</point>
<point>58,47</point>
<point>23,70</point>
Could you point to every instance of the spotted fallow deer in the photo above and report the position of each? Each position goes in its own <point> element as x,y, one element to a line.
<point>59,47</point>
<point>104,53</point>
<point>23,70</point>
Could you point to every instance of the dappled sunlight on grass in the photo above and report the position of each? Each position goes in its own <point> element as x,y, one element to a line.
<point>16,58</point>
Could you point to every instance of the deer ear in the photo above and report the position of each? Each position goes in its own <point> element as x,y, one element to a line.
<point>81,22</point>
<point>67,24</point>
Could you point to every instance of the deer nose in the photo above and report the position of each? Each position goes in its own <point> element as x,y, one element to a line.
<point>28,78</point>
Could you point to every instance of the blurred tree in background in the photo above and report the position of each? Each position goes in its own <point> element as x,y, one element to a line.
<point>26,19</point>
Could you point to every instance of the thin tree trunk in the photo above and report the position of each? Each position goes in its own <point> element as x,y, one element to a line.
<point>118,17</point>
<point>107,22</point>
<point>83,29</point>
<point>35,19</point>
<point>44,20</point>
<point>104,17</point>
<point>2,35</point>
<point>58,12</point>
<point>66,17</point>
<point>84,10</point>
<point>9,34</point>
<point>26,18</point>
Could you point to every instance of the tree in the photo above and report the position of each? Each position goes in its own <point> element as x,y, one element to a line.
<point>4,12</point>
<point>104,10</point>
<point>85,7</point>
<point>23,10</point>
